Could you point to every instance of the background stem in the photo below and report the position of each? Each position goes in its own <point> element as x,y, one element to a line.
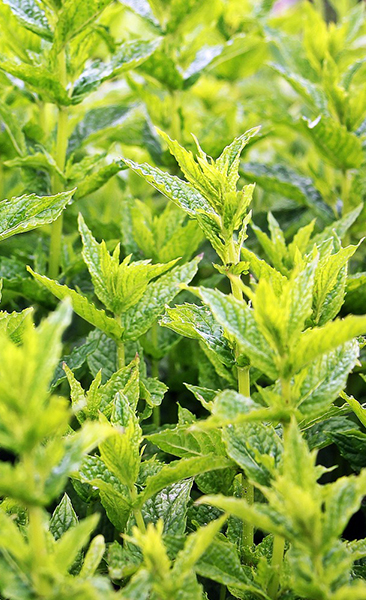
<point>155,370</point>
<point>277,560</point>
<point>223,592</point>
<point>248,529</point>
<point>243,388</point>
<point>57,182</point>
<point>175,122</point>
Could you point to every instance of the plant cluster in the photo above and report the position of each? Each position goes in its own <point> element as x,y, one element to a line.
<point>181,355</point>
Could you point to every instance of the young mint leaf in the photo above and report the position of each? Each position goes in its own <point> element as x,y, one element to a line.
<point>39,160</point>
<point>170,505</point>
<point>238,321</point>
<point>63,518</point>
<point>40,79</point>
<point>74,17</point>
<point>185,441</point>
<point>93,557</point>
<point>284,322</point>
<point>197,322</point>
<point>121,452</point>
<point>330,284</point>
<point>118,286</point>
<point>93,182</point>
<point>139,318</point>
<point>256,448</point>
<point>14,324</point>
<point>82,306</point>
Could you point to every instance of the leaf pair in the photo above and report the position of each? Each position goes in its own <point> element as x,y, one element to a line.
<point>210,194</point>
<point>125,289</point>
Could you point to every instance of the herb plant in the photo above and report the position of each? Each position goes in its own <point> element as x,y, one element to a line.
<point>181,335</point>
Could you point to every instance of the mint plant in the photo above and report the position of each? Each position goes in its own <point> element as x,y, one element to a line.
<point>181,331</point>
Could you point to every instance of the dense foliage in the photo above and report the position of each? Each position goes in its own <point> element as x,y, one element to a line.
<point>182,364</point>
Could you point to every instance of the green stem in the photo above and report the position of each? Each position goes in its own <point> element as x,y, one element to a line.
<point>121,358</point>
<point>277,560</point>
<point>175,122</point>
<point>155,343</point>
<point>243,388</point>
<point>223,592</point>
<point>57,183</point>
<point>155,370</point>
<point>244,381</point>
<point>286,391</point>
<point>137,511</point>
<point>2,181</point>
<point>346,185</point>
<point>38,547</point>
<point>55,248</point>
<point>36,533</point>
<point>248,529</point>
<point>139,520</point>
<point>156,416</point>
<point>120,355</point>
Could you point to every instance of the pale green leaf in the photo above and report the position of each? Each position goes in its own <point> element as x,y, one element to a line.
<point>286,182</point>
<point>179,470</point>
<point>321,340</point>
<point>196,545</point>
<point>170,505</point>
<point>39,161</point>
<point>13,324</point>
<point>342,499</point>
<point>31,16</point>
<point>119,286</point>
<point>21,214</point>
<point>73,540</point>
<point>340,147</point>
<point>318,385</point>
<point>93,557</point>
<point>128,56</point>
<point>13,128</point>
<point>180,192</point>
